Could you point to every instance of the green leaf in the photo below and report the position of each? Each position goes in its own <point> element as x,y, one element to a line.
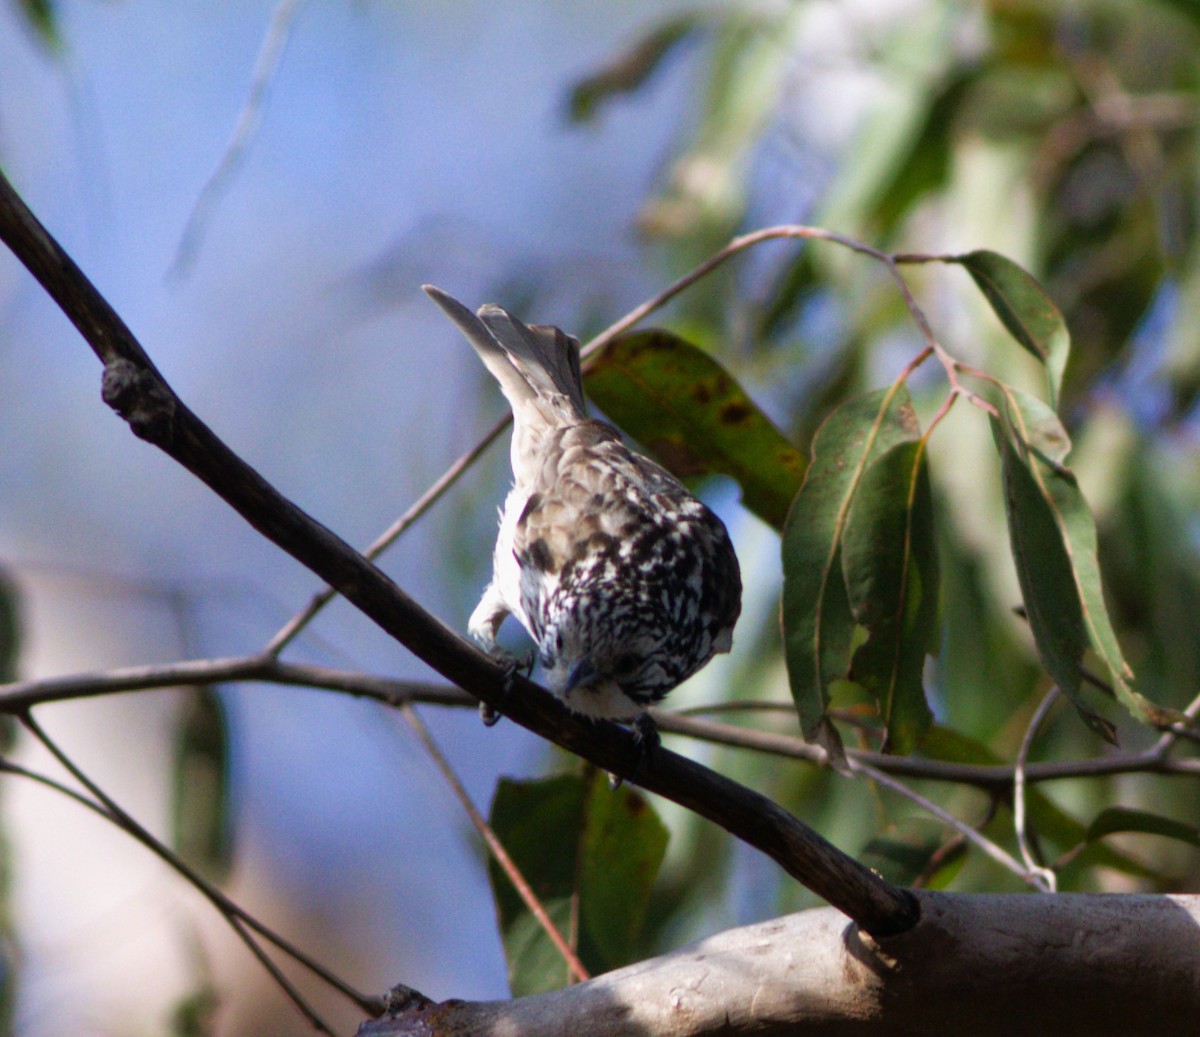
<point>686,408</point>
<point>915,850</point>
<point>628,70</point>
<point>1057,561</point>
<point>202,829</point>
<point>572,836</point>
<point>41,16</point>
<point>818,625</point>
<point>1046,578</point>
<point>622,849</point>
<point>1126,819</point>
<point>890,564</point>
<point>1025,309</point>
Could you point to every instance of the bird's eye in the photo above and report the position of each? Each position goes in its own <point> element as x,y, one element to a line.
<point>625,664</point>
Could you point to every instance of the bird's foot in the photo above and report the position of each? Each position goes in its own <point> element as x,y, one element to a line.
<point>513,664</point>
<point>647,740</point>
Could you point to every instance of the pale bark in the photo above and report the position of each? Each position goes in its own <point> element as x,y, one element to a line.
<point>976,965</point>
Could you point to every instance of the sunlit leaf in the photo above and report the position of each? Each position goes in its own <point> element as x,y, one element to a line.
<point>1047,581</point>
<point>818,626</point>
<point>686,408</point>
<point>573,837</point>
<point>1025,309</point>
<point>890,563</point>
<point>629,69</point>
<point>203,831</point>
<point>1059,544</point>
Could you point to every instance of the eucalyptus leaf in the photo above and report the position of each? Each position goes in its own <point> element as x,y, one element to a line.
<point>690,412</point>
<point>626,71</point>
<point>203,828</point>
<point>574,838</point>
<point>818,625</point>
<point>1057,515</point>
<point>1025,309</point>
<point>889,559</point>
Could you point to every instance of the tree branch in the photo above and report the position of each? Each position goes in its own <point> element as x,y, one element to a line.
<point>1072,965</point>
<point>133,386</point>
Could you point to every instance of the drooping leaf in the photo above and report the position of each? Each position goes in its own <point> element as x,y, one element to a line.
<point>623,846</point>
<point>202,825</point>
<point>818,626</point>
<point>1126,819</point>
<point>629,69</point>
<point>686,408</point>
<point>1059,544</point>
<point>1025,309</point>
<point>1047,582</point>
<point>10,627</point>
<point>538,823</point>
<point>573,837</point>
<point>890,564</point>
<point>10,648</point>
<point>43,19</point>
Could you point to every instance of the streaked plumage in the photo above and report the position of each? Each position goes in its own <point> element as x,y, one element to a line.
<point>626,582</point>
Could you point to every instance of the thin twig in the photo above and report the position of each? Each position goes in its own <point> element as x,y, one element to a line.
<point>488,835</point>
<point>20,695</point>
<point>1019,815</point>
<point>996,853</point>
<point>389,536</point>
<point>265,66</point>
<point>235,915</point>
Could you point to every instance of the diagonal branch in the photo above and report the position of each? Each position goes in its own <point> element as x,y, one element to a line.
<point>137,391</point>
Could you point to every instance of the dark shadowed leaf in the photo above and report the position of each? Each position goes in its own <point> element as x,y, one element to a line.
<point>572,836</point>
<point>1025,309</point>
<point>685,407</point>
<point>629,69</point>
<point>916,851</point>
<point>623,847</point>
<point>203,833</point>
<point>818,626</point>
<point>1124,819</point>
<point>890,564</point>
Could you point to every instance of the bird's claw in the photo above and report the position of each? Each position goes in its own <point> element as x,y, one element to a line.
<point>647,740</point>
<point>512,664</point>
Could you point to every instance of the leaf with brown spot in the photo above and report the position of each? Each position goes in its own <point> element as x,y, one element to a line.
<point>688,410</point>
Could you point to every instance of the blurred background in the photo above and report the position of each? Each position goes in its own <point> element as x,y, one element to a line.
<point>565,160</point>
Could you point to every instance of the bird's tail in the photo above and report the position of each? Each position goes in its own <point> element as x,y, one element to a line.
<point>536,365</point>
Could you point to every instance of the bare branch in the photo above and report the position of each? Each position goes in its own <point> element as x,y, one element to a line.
<point>138,392</point>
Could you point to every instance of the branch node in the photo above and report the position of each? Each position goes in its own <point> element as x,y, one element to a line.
<point>139,396</point>
<point>404,999</point>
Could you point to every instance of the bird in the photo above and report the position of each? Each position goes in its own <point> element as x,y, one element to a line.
<point>626,582</point>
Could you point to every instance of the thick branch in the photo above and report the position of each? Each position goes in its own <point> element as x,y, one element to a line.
<point>138,392</point>
<point>980,964</point>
